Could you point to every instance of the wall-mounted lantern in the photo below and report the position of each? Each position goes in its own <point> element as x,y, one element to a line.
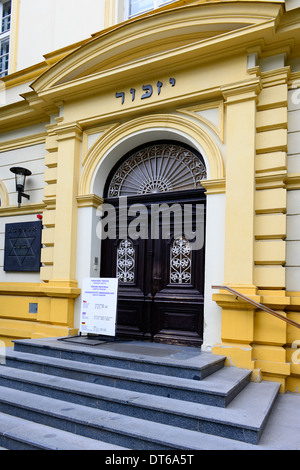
<point>20,177</point>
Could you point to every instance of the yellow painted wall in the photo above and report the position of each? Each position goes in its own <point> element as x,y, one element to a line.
<point>54,317</point>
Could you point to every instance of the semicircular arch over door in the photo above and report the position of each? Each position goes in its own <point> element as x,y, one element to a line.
<point>157,247</point>
<point>157,168</point>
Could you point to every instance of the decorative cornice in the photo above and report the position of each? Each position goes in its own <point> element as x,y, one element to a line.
<point>229,301</point>
<point>89,200</point>
<point>63,81</point>
<point>25,75</point>
<point>61,288</point>
<point>294,80</point>
<point>39,105</point>
<point>50,202</point>
<point>293,181</point>
<point>69,131</point>
<point>23,210</point>
<point>50,289</point>
<point>214,186</point>
<point>275,77</point>
<point>13,116</point>
<point>271,180</point>
<point>24,141</point>
<point>241,91</point>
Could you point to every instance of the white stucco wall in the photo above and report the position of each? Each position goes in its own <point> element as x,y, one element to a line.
<point>31,157</point>
<point>214,267</point>
<point>48,25</point>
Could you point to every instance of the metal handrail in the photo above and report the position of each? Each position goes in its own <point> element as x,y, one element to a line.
<point>257,305</point>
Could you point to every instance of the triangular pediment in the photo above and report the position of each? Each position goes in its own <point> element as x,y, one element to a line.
<point>153,39</point>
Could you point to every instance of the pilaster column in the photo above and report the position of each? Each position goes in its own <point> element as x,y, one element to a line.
<point>237,316</point>
<point>68,162</point>
<point>240,101</point>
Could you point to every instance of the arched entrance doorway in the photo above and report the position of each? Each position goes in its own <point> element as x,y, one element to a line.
<point>155,242</point>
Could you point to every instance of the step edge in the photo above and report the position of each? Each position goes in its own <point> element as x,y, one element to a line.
<point>118,373</point>
<point>10,372</point>
<point>172,439</point>
<point>216,359</point>
<point>18,423</point>
<point>226,420</point>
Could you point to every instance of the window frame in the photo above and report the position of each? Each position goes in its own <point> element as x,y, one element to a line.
<point>4,57</point>
<point>156,4</point>
<point>4,37</point>
<point>5,17</point>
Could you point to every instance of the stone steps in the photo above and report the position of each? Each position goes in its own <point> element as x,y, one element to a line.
<point>184,362</point>
<point>159,397</point>
<point>21,434</point>
<point>218,389</point>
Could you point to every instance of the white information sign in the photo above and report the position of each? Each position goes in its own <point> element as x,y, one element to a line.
<point>99,306</point>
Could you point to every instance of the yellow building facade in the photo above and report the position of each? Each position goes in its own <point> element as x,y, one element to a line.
<point>219,78</point>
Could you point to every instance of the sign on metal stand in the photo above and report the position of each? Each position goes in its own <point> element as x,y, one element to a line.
<point>99,306</point>
<point>98,314</point>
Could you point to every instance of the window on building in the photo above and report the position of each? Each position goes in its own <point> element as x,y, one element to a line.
<point>5,15</point>
<point>4,54</point>
<point>136,7</point>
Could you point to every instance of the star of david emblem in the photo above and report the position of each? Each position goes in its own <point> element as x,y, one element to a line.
<point>21,247</point>
<point>22,250</point>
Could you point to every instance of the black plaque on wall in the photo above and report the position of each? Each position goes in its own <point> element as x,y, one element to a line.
<point>22,251</point>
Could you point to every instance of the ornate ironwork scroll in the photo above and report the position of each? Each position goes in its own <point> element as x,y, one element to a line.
<point>158,168</point>
<point>126,262</point>
<point>180,262</point>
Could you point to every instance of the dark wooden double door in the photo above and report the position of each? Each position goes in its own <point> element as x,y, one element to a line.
<point>161,280</point>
